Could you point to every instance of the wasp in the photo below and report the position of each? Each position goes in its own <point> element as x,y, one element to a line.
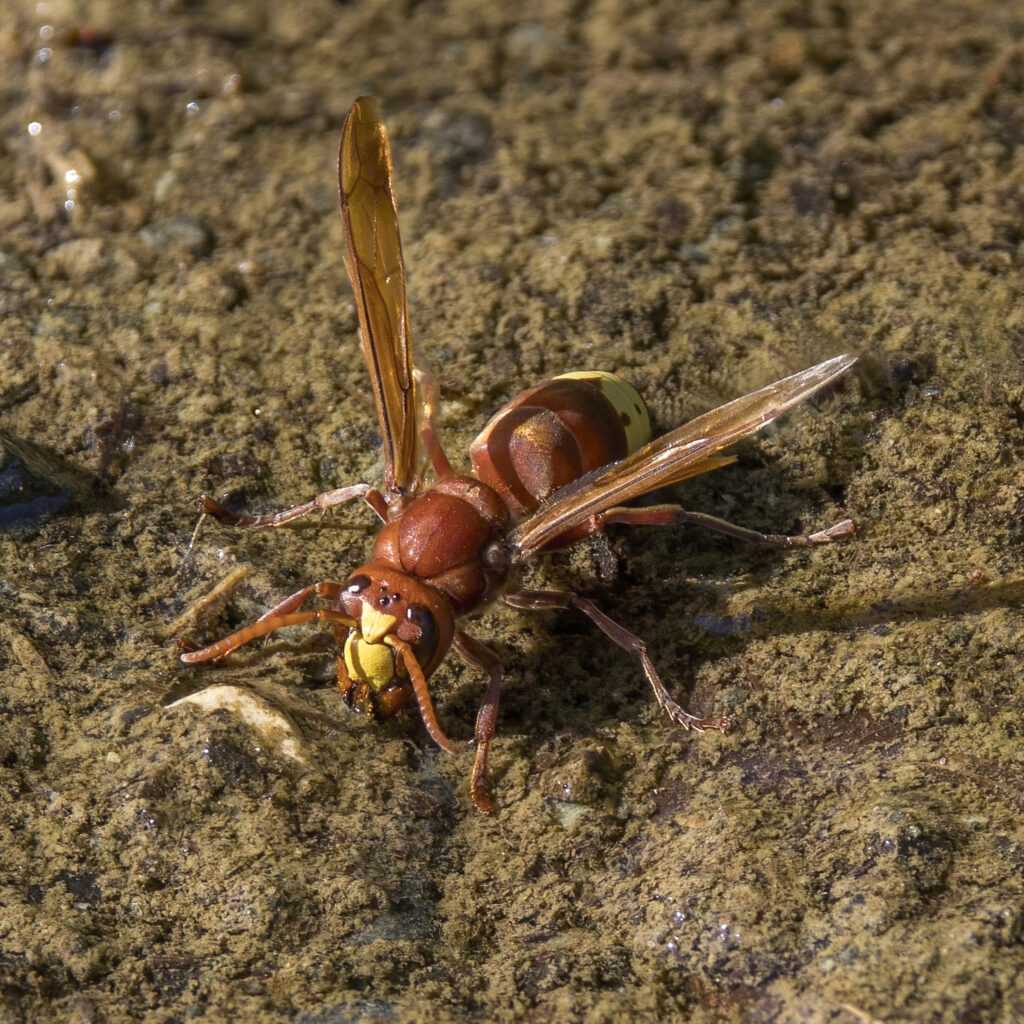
<point>558,463</point>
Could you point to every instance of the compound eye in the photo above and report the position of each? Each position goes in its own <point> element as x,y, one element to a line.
<point>426,646</point>
<point>420,615</point>
<point>356,585</point>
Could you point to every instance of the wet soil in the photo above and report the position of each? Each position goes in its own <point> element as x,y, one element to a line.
<point>702,197</point>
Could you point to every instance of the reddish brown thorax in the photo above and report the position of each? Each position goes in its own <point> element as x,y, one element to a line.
<point>440,538</point>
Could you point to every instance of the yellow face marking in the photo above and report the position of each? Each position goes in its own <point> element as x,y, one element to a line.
<point>626,401</point>
<point>375,625</point>
<point>369,663</point>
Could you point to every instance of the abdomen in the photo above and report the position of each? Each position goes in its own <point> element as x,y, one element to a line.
<point>553,434</point>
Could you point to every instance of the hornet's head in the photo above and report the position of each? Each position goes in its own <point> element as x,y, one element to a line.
<point>403,629</point>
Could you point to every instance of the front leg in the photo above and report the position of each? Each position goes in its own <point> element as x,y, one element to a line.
<point>269,623</point>
<point>544,600</point>
<point>477,655</point>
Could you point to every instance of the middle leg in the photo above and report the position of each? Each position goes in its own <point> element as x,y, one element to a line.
<point>430,396</point>
<point>322,503</point>
<point>545,600</point>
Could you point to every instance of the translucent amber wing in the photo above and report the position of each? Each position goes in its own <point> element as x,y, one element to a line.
<point>374,263</point>
<point>682,453</point>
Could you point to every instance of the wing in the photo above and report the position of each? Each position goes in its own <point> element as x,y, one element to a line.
<point>374,263</point>
<point>684,452</point>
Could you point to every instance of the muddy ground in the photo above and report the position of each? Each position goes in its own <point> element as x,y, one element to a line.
<point>703,197</point>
